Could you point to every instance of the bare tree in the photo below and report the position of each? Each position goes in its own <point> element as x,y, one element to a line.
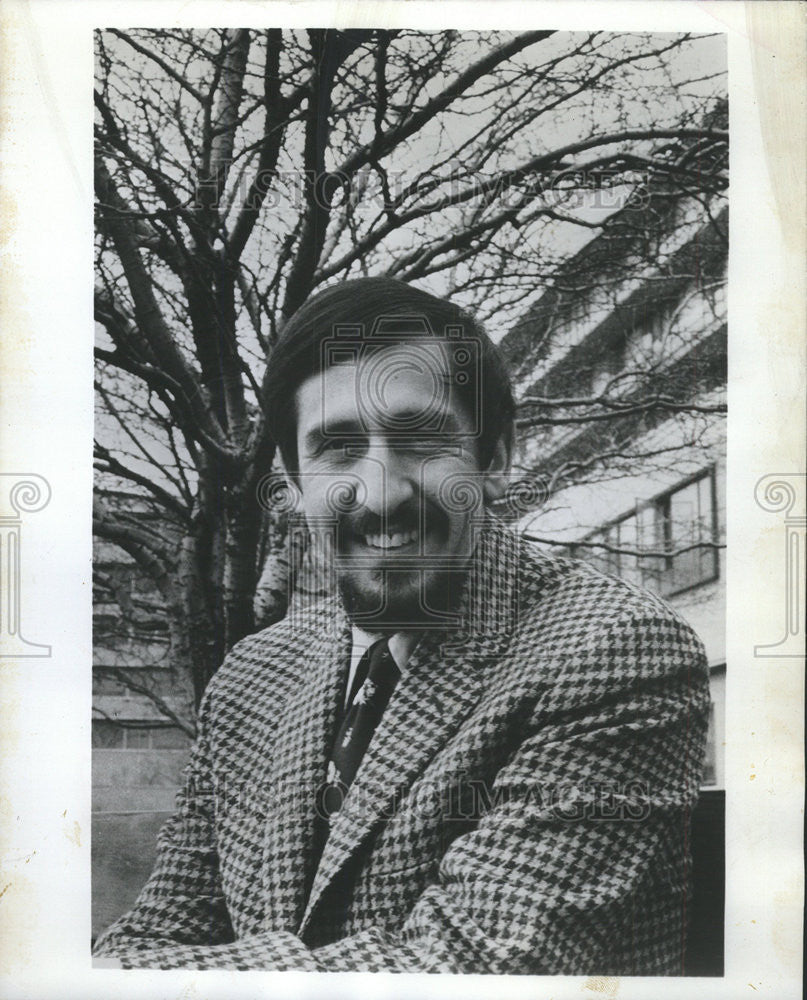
<point>239,171</point>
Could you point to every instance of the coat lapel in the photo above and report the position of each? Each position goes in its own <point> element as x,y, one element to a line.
<point>440,687</point>
<point>298,764</point>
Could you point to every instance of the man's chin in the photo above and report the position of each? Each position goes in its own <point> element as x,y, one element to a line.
<point>392,600</point>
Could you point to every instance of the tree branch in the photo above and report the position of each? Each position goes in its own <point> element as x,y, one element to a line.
<point>621,410</point>
<point>117,468</point>
<point>116,673</point>
<point>501,182</point>
<point>382,145</point>
<point>136,542</point>
<point>166,67</point>
<point>150,320</point>
<point>277,114</point>
<point>616,550</point>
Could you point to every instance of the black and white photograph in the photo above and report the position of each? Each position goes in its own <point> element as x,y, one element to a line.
<point>463,293</point>
<point>416,398</point>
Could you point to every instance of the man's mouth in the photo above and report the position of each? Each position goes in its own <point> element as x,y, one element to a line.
<point>396,540</point>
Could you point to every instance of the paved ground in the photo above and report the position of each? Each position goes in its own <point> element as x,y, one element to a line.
<point>123,849</point>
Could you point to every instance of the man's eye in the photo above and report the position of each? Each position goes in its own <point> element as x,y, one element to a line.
<point>338,445</point>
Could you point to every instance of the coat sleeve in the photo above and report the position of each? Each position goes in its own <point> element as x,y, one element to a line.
<point>579,863</point>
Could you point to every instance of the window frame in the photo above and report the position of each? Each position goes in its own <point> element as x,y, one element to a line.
<point>659,506</point>
<point>669,560</point>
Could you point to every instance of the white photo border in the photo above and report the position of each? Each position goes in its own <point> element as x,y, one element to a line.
<point>46,75</point>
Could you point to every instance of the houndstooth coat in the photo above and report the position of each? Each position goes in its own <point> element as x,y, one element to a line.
<point>523,806</point>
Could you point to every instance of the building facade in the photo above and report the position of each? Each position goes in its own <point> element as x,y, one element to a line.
<point>138,749</point>
<point>620,371</point>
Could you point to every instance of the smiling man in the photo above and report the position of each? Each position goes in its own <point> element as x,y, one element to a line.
<point>388,430</point>
<point>473,757</point>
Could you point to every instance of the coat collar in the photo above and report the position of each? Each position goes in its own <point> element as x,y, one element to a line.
<point>442,684</point>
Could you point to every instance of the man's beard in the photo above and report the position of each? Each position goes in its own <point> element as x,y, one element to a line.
<point>388,597</point>
<point>406,598</point>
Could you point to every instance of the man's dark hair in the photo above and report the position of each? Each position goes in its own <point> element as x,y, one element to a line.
<point>360,304</point>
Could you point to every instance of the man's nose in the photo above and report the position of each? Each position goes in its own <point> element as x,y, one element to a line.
<point>387,479</point>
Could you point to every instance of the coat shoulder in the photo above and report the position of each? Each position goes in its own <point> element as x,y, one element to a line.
<point>568,608</point>
<point>598,596</point>
<point>269,663</point>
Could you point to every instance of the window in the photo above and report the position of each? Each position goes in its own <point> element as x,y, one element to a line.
<point>106,735</point>
<point>626,540</point>
<point>666,545</point>
<point>631,531</point>
<point>137,739</point>
<point>605,560</point>
<point>686,525</point>
<point>611,364</point>
<point>169,738</point>
<point>107,686</point>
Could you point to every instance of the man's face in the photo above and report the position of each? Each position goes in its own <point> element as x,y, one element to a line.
<point>384,447</point>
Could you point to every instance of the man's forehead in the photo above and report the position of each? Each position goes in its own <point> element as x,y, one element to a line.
<point>382,359</point>
<point>378,381</point>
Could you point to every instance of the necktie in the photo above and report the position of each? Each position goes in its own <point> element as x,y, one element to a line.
<point>376,677</point>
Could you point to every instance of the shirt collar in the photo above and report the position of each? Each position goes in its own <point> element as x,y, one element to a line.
<point>401,645</point>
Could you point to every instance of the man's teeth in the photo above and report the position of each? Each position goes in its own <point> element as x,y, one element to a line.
<point>391,541</point>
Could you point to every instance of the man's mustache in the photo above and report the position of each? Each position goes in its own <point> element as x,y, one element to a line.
<point>408,517</point>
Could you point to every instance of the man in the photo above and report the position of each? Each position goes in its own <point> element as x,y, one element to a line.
<point>502,781</point>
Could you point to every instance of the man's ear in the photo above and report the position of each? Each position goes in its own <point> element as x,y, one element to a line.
<point>291,482</point>
<point>497,474</point>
